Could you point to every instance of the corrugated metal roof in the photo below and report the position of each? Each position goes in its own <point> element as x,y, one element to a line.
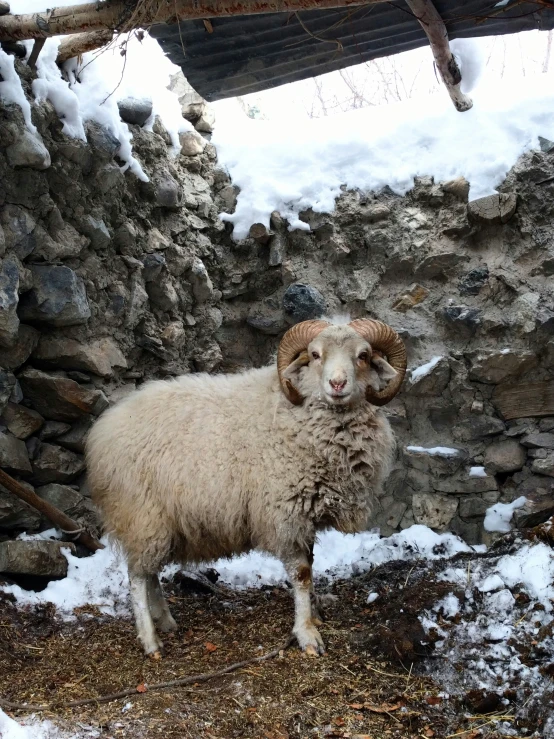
<point>245,54</point>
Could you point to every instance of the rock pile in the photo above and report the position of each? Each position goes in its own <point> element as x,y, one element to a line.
<point>106,281</point>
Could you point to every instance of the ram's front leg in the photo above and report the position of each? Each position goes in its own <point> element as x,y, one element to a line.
<point>299,572</point>
<point>318,616</point>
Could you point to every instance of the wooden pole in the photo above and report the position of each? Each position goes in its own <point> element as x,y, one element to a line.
<point>117,15</point>
<point>434,27</point>
<point>63,522</point>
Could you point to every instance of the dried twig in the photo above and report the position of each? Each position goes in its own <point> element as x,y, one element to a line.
<point>192,679</point>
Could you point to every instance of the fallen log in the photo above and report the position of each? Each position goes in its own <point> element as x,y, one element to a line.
<point>63,522</point>
<point>434,27</point>
<point>80,43</point>
<point>117,15</point>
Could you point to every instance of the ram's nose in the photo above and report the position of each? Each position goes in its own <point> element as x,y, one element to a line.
<point>337,385</point>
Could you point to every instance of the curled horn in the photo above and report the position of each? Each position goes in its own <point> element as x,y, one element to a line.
<point>293,344</point>
<point>383,339</point>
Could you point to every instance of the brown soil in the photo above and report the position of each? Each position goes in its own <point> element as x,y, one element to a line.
<point>370,683</point>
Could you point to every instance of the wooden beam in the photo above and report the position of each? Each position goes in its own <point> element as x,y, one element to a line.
<point>63,522</point>
<point>80,43</point>
<point>434,27</point>
<point>524,400</point>
<point>118,15</point>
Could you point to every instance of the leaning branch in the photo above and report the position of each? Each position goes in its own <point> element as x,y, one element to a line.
<point>80,43</point>
<point>434,27</point>
<point>66,524</point>
<point>121,16</point>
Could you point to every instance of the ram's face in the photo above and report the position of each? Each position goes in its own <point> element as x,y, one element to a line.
<point>338,366</point>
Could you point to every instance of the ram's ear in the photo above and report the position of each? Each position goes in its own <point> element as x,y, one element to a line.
<point>384,371</point>
<point>291,371</point>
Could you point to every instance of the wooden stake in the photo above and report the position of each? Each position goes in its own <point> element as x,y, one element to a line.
<point>63,522</point>
<point>434,27</point>
<point>37,48</point>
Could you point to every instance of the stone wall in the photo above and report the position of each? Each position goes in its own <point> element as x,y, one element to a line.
<point>106,281</point>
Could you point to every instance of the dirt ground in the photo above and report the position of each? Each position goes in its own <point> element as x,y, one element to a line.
<point>375,681</point>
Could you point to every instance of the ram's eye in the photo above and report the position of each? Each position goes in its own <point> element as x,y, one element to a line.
<point>363,357</point>
<point>315,355</point>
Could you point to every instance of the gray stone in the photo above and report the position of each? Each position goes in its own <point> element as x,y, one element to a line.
<point>22,422</point>
<point>59,398</point>
<point>546,424</point>
<point>433,382</point>
<point>504,456</point>
<point>105,144</point>
<point>52,429</point>
<point>266,321</point>
<point>153,266</point>
<point>15,514</point>
<point>462,484</point>
<point>414,295</point>
<point>191,143</point>
<point>458,187</point>
<point>4,7</point>
<point>39,557</point>
<point>56,464</point>
<point>167,192</point>
<point>476,506</point>
<point>7,384</point>
<point>13,454</point>
<point>134,110</point>
<point>227,197</point>
<point>25,343</point>
<point>202,286</point>
<point>28,151</point>
<point>99,357</point>
<point>544,466</point>
<point>474,281</point>
<point>438,265</point>
<point>543,440</point>
<point>75,438</point>
<point>496,367</point>
<point>162,294</point>
<point>435,464</point>
<point>97,231</point>
<point>493,209</point>
<point>18,226</point>
<point>61,496</point>
<point>302,302</point>
<point>9,299</point>
<point>435,511</point>
<point>58,297</point>
<point>461,318</point>
<point>478,427</point>
<point>68,242</point>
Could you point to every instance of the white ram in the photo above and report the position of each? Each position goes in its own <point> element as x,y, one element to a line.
<point>203,467</point>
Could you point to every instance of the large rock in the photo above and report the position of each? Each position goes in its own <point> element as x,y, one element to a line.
<point>191,143</point>
<point>15,514</point>
<point>504,456</point>
<point>463,484</point>
<point>58,297</point>
<point>28,151</point>
<point>439,265</point>
<point>430,379</point>
<point>13,454</point>
<point>96,231</point>
<point>75,438</point>
<point>544,466</point>
<point>475,506</point>
<point>302,302</point>
<point>56,464</point>
<point>22,422</point>
<point>435,511</point>
<point>60,398</point>
<point>474,281</point>
<point>435,463</point>
<point>25,343</point>
<point>478,427</point>
<point>38,557</point>
<point>493,209</point>
<point>7,386</point>
<point>202,286</point>
<point>135,110</point>
<point>543,440</point>
<point>9,298</point>
<point>496,367</point>
<point>99,356</point>
<point>18,226</point>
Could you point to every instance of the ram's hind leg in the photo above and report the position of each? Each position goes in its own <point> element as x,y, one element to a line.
<point>318,616</point>
<point>158,605</point>
<point>146,631</point>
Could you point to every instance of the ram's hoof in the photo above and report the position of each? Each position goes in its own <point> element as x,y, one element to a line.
<point>317,621</point>
<point>155,655</point>
<point>311,651</point>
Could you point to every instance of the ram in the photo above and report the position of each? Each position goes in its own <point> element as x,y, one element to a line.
<point>203,467</point>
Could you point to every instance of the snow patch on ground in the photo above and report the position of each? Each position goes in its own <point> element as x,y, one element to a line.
<point>424,369</point>
<point>434,451</point>
<point>292,164</point>
<point>101,579</point>
<point>498,516</point>
<point>32,728</point>
<point>505,607</point>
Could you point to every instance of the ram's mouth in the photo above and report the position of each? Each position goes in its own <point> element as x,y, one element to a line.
<point>338,397</point>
